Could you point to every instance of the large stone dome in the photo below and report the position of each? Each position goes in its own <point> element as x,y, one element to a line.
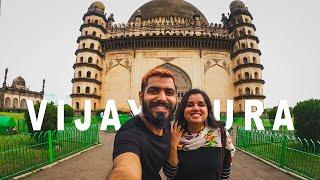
<point>18,82</point>
<point>160,8</point>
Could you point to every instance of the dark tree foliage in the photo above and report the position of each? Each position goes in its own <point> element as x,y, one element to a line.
<point>307,119</point>
<point>68,111</point>
<point>271,112</point>
<point>49,119</point>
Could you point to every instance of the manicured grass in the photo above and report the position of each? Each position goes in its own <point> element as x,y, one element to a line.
<point>123,119</point>
<point>22,153</point>
<point>302,163</point>
<point>16,116</point>
<point>240,122</point>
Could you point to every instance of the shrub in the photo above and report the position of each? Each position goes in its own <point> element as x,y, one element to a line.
<point>307,119</point>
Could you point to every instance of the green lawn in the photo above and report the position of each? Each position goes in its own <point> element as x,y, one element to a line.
<point>303,163</point>
<point>239,122</point>
<point>16,116</point>
<point>22,153</point>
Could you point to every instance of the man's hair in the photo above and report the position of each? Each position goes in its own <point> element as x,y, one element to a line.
<point>156,72</point>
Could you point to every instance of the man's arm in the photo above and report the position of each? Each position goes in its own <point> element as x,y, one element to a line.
<point>126,166</point>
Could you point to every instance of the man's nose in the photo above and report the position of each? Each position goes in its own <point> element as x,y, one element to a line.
<point>161,96</point>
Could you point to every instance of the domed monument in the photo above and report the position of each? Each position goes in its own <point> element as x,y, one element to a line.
<point>16,96</point>
<point>222,59</point>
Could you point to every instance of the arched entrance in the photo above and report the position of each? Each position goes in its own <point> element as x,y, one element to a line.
<point>182,79</point>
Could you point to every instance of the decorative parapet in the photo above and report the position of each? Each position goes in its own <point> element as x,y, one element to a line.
<point>166,28</point>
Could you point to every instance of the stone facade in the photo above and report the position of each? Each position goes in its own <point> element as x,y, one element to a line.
<point>15,96</point>
<point>222,59</point>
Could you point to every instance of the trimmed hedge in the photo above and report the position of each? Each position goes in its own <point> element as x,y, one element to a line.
<point>307,119</point>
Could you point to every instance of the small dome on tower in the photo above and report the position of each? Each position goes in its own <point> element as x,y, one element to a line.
<point>97,5</point>
<point>237,4</point>
<point>19,82</point>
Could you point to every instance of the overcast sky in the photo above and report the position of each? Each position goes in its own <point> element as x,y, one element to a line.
<point>38,40</point>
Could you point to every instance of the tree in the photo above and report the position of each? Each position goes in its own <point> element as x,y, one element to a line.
<point>307,119</point>
<point>68,111</point>
<point>272,113</point>
<point>49,119</point>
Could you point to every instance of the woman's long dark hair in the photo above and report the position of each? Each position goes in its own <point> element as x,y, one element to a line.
<point>211,120</point>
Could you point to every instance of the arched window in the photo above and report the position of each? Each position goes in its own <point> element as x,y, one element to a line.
<point>248,92</point>
<point>94,106</point>
<point>96,76</point>
<point>94,33</point>
<point>243,45</point>
<point>83,45</point>
<point>90,60</point>
<point>88,74</point>
<point>238,62</point>
<point>95,91</point>
<point>79,74</point>
<point>249,32</point>
<point>78,89</point>
<point>88,20</point>
<point>242,33</point>
<point>77,105</point>
<point>98,48</point>
<point>256,75</point>
<point>239,77</point>
<point>257,91</point>
<point>96,21</point>
<point>87,89</point>
<point>246,75</point>
<point>15,103</point>
<point>91,46</point>
<point>254,59</point>
<point>86,33</point>
<point>81,59</point>
<point>251,45</point>
<point>97,61</point>
<point>240,91</point>
<point>7,102</point>
<point>23,104</point>
<point>245,60</point>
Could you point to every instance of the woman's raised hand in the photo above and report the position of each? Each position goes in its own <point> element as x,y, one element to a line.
<point>176,133</point>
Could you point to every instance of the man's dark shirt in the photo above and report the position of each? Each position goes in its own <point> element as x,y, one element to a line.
<point>152,150</point>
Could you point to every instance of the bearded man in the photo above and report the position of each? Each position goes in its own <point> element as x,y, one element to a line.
<point>142,145</point>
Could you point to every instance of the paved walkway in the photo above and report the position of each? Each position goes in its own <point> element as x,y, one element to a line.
<point>96,164</point>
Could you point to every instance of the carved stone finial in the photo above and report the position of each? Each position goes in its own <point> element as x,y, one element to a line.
<point>139,12</point>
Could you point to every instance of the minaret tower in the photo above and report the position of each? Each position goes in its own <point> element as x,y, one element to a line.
<point>5,78</point>
<point>247,67</point>
<point>43,84</point>
<point>88,65</point>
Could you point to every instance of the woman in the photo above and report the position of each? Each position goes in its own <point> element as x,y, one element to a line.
<point>200,146</point>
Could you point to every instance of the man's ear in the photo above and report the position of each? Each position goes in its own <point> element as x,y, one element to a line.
<point>140,97</point>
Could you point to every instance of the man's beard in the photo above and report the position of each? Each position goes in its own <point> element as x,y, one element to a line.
<point>159,120</point>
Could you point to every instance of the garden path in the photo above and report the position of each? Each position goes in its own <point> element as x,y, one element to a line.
<point>97,163</point>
